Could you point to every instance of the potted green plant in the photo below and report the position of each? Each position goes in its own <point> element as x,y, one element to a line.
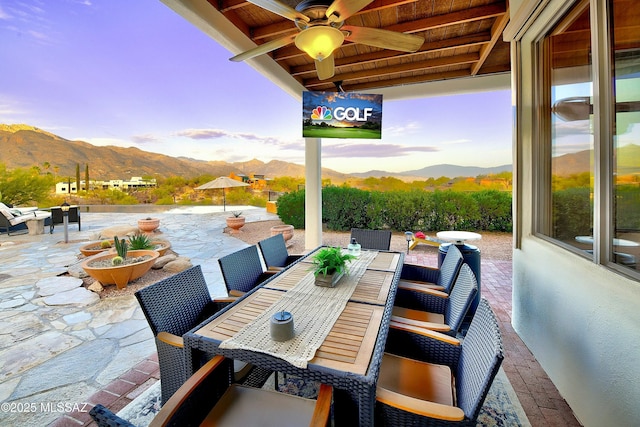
<point>329,265</point>
<point>122,267</point>
<point>142,241</point>
<point>235,222</point>
<point>148,224</point>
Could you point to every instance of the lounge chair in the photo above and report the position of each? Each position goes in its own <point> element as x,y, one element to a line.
<point>15,219</point>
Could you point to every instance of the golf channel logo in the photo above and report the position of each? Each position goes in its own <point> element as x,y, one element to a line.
<point>349,114</point>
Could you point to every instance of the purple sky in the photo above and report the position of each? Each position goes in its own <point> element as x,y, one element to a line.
<point>134,73</point>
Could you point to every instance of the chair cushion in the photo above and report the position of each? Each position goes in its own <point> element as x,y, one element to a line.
<point>7,213</point>
<point>247,406</point>
<point>416,379</point>
<point>423,316</point>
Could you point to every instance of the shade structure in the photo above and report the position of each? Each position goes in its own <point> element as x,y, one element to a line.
<point>222,182</point>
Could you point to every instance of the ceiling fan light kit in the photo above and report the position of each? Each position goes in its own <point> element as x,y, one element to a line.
<point>319,23</point>
<point>319,42</point>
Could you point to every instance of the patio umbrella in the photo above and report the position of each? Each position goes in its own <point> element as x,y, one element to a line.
<point>222,182</point>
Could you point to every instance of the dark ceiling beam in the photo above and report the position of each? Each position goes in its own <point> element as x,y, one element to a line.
<point>496,35</point>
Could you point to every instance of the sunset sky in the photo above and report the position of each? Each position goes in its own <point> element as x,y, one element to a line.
<point>134,73</point>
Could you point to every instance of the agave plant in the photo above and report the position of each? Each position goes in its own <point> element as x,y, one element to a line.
<point>140,241</point>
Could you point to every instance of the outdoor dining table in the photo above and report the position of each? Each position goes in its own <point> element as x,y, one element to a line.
<point>348,357</point>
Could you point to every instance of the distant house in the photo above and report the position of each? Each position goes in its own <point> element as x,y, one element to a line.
<point>255,181</point>
<point>69,187</point>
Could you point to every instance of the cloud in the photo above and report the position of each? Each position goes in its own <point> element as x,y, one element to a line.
<point>353,150</point>
<point>4,15</point>
<point>144,139</point>
<point>578,127</point>
<point>559,150</point>
<point>200,134</point>
<point>407,128</point>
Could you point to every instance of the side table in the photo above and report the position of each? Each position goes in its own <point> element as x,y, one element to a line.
<point>35,226</point>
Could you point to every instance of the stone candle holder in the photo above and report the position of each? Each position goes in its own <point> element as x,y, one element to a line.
<point>282,326</point>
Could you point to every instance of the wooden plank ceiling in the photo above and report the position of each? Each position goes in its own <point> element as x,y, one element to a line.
<point>463,38</point>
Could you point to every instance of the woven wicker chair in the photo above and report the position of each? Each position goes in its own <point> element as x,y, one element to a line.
<point>275,254</point>
<point>57,217</point>
<point>432,379</point>
<point>242,271</point>
<point>438,311</point>
<point>417,281</point>
<point>372,239</point>
<point>172,307</point>
<point>206,398</point>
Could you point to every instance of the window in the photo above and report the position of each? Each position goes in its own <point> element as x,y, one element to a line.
<point>577,152</point>
<point>625,140</point>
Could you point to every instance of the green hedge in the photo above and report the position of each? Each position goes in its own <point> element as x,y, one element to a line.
<point>344,208</point>
<point>572,213</point>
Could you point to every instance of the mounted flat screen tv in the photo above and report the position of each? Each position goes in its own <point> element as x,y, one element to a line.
<point>341,115</point>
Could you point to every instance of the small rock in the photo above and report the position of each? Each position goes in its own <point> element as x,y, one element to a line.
<point>118,230</point>
<point>76,270</point>
<point>96,287</point>
<point>163,260</point>
<point>178,265</point>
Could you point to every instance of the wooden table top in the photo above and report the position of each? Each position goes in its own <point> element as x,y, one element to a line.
<point>348,347</point>
<point>373,287</point>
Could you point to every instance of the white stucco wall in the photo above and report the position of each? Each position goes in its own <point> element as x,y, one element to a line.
<point>582,323</point>
<point>580,320</point>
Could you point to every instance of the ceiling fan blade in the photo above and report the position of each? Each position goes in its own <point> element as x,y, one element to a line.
<point>325,68</point>
<point>340,10</point>
<point>264,48</point>
<point>383,38</point>
<point>281,9</point>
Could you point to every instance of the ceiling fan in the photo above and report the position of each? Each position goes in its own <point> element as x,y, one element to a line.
<point>322,30</point>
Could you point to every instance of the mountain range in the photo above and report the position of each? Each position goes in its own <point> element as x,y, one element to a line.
<point>24,146</point>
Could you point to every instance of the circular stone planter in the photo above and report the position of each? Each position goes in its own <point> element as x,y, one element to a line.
<point>286,231</point>
<point>161,246</point>
<point>94,248</point>
<point>235,223</point>
<point>120,275</point>
<point>148,224</point>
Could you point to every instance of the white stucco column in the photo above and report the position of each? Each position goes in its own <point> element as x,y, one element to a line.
<point>313,193</point>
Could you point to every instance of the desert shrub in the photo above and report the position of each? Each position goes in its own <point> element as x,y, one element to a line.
<point>291,208</point>
<point>572,213</point>
<point>627,203</point>
<point>344,208</point>
<point>452,210</point>
<point>495,210</point>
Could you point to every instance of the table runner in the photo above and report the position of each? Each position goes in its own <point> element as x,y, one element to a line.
<point>315,310</point>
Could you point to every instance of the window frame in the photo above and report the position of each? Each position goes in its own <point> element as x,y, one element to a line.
<point>602,63</point>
